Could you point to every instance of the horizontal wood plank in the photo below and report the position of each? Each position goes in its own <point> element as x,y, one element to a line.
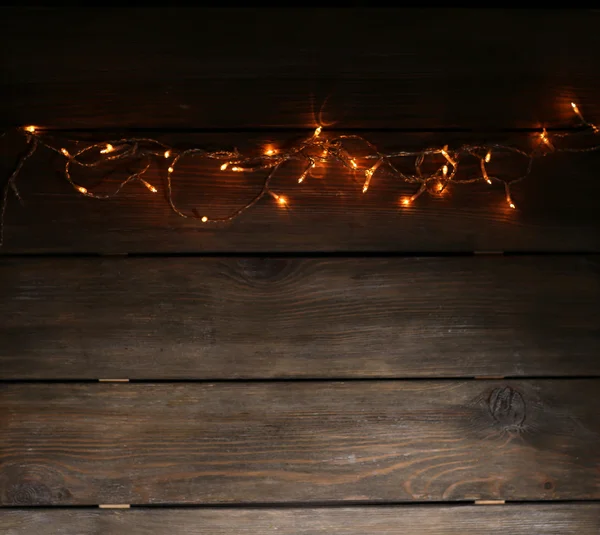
<point>226,318</point>
<point>554,519</point>
<point>229,68</point>
<point>85,444</point>
<point>557,207</point>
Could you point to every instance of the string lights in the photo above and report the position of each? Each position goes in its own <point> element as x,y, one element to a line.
<point>318,149</point>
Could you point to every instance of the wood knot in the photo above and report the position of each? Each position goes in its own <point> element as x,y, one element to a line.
<point>29,493</point>
<point>263,268</point>
<point>32,485</point>
<point>507,407</point>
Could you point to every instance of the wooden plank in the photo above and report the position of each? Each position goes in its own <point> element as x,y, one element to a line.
<point>229,68</point>
<point>556,205</point>
<point>98,443</point>
<point>554,519</point>
<point>224,318</point>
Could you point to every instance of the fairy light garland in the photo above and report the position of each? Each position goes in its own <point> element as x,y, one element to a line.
<point>313,151</point>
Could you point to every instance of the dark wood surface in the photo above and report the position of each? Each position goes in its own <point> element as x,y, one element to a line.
<point>226,318</point>
<point>242,78</point>
<point>84,444</point>
<point>224,68</point>
<point>536,519</point>
<point>557,207</point>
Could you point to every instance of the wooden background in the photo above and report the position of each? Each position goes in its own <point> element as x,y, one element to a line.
<point>342,366</point>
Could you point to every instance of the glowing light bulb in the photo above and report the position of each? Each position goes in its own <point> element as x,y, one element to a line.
<point>577,112</point>
<point>354,164</point>
<point>167,153</point>
<point>270,151</point>
<point>406,201</point>
<point>369,174</point>
<point>445,154</point>
<point>204,219</point>
<point>445,170</point>
<point>170,169</point>
<point>511,205</point>
<point>281,200</point>
<point>324,153</point>
<point>488,156</point>
<point>149,186</point>
<point>31,129</point>
<point>545,139</point>
<point>303,176</point>
<point>224,166</point>
<point>318,131</point>
<point>65,152</point>
<point>484,173</point>
<point>81,189</point>
<point>107,149</point>
<point>440,187</point>
<point>236,169</point>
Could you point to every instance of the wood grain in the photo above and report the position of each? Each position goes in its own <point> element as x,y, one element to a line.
<point>231,68</point>
<point>270,317</point>
<point>555,519</point>
<point>557,207</point>
<point>84,444</point>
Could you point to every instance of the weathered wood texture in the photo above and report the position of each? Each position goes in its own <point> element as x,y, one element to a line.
<point>557,205</point>
<point>225,318</point>
<point>298,441</point>
<point>536,519</point>
<point>236,68</point>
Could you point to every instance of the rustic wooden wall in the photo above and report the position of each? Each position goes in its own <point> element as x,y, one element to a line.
<point>341,366</point>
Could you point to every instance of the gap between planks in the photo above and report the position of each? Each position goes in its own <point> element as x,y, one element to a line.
<point>113,380</point>
<point>128,506</point>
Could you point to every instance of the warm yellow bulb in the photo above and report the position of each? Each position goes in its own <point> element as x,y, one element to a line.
<point>149,186</point>
<point>511,205</point>
<point>544,137</point>
<point>237,169</point>
<point>445,170</point>
<point>204,219</point>
<point>446,155</point>
<point>488,156</point>
<point>354,164</point>
<point>270,151</point>
<point>65,152</point>
<point>31,129</point>
<point>406,201</point>
<point>81,189</point>
<point>281,200</point>
<point>440,187</point>
<point>484,173</point>
<point>170,169</point>
<point>108,148</point>
<point>224,166</point>
<point>318,131</point>
<point>167,153</point>
<point>576,110</point>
